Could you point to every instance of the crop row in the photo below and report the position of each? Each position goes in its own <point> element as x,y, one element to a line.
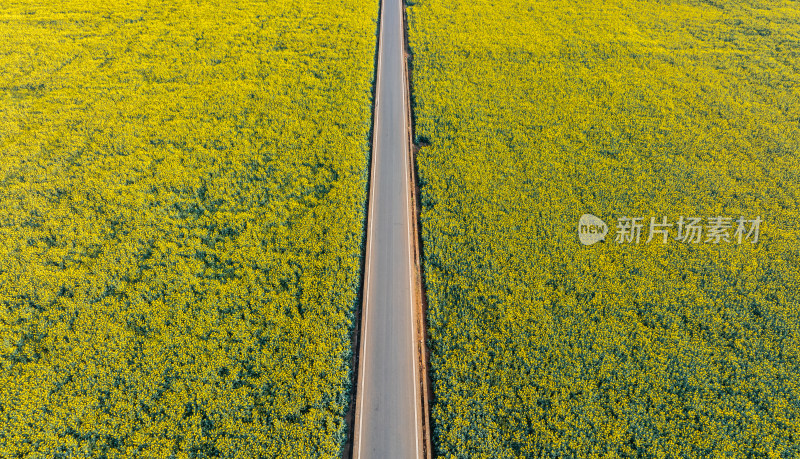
<point>531,114</point>
<point>182,195</point>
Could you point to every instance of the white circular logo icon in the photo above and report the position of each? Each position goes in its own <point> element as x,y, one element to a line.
<point>591,229</point>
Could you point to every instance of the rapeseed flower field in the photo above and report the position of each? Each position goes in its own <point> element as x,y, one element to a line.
<point>182,203</point>
<point>531,114</point>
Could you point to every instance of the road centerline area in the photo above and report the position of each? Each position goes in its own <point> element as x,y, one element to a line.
<point>387,413</point>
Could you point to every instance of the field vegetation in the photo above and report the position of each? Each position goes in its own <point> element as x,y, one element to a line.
<point>182,195</point>
<point>530,114</point>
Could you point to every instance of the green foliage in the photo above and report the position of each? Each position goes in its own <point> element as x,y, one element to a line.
<point>533,113</point>
<point>182,195</point>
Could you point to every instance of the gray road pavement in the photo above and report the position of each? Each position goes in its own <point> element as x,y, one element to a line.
<point>387,410</point>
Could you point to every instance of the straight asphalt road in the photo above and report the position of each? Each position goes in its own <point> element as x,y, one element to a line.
<point>387,423</point>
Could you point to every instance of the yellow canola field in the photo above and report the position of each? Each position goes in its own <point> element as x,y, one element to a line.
<point>182,195</point>
<point>531,114</point>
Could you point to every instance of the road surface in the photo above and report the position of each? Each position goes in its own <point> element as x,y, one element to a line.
<point>387,407</point>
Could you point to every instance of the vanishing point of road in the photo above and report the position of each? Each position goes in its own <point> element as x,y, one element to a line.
<point>387,420</point>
